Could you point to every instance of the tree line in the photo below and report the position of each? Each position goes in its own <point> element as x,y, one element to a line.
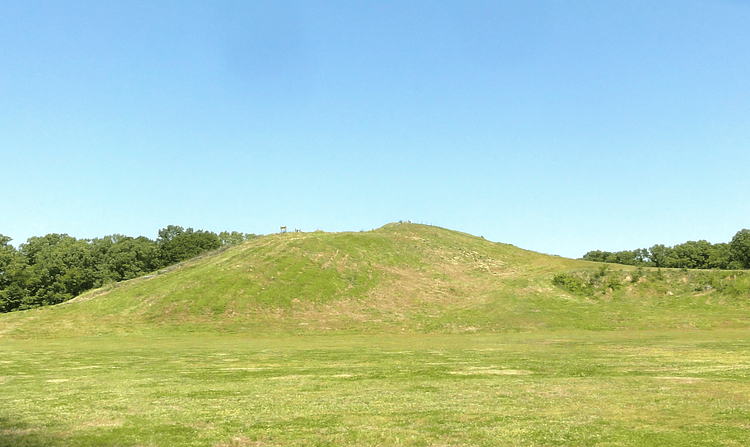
<point>54,268</point>
<point>701,254</point>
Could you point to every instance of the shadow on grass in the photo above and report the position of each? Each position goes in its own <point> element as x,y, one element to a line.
<point>14,434</point>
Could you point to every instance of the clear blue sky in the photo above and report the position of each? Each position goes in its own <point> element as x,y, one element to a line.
<point>556,126</point>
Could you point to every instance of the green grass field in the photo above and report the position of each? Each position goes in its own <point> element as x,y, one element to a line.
<point>406,335</point>
<point>552,389</point>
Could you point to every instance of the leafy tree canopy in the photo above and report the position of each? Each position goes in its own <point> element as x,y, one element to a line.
<point>178,245</point>
<point>740,248</point>
<point>692,255</point>
<point>57,267</point>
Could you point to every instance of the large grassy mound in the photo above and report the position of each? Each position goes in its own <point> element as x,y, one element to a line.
<point>241,348</point>
<point>399,278</point>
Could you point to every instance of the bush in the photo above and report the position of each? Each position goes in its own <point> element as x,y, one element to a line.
<point>573,284</point>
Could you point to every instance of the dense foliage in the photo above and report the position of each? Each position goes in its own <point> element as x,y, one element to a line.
<point>691,255</point>
<point>57,267</point>
<point>606,283</point>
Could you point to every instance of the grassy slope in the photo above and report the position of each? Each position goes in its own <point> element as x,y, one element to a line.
<point>401,277</point>
<point>549,384</point>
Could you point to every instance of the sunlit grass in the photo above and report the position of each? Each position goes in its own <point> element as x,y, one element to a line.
<point>568,388</point>
<point>406,335</point>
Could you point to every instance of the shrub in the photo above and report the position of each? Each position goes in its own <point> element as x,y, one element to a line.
<point>573,284</point>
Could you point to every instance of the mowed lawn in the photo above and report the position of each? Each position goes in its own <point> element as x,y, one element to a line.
<point>689,388</point>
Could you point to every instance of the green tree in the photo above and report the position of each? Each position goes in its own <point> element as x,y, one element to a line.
<point>169,233</point>
<point>693,254</point>
<point>660,255</point>
<point>12,268</point>
<point>59,268</point>
<point>625,257</point>
<point>235,237</point>
<point>122,257</point>
<point>7,256</point>
<point>740,248</point>
<point>596,256</point>
<point>641,256</point>
<point>177,244</point>
<point>720,257</point>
